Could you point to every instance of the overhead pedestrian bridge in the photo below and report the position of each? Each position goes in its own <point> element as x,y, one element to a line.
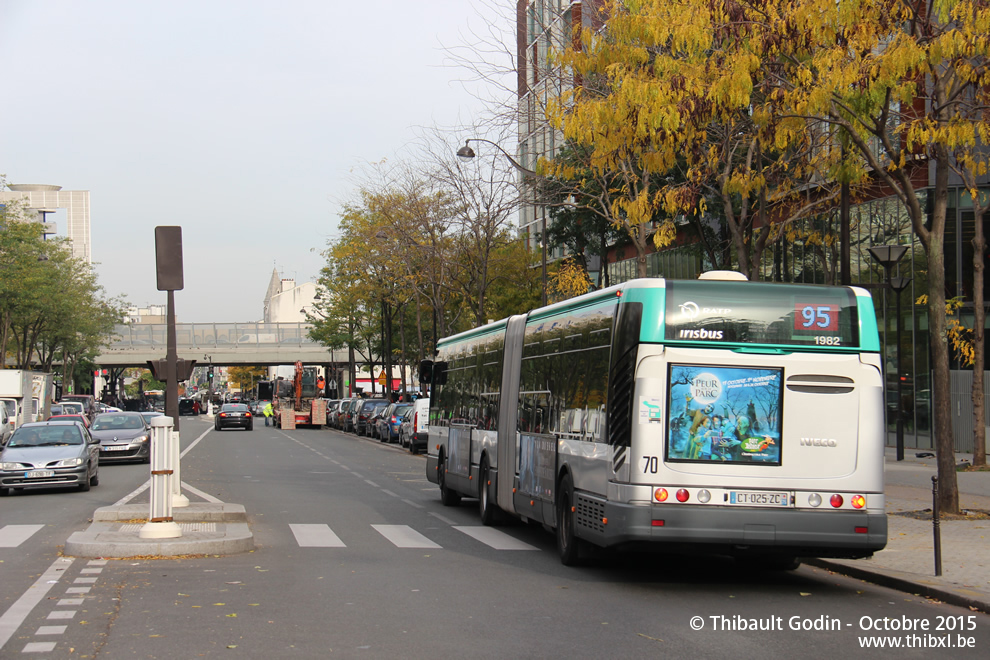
<point>228,344</point>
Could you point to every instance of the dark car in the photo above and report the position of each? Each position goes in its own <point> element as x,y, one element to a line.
<point>188,407</point>
<point>388,422</point>
<point>345,417</point>
<point>46,454</point>
<point>123,436</point>
<point>371,429</point>
<point>362,413</point>
<point>234,416</point>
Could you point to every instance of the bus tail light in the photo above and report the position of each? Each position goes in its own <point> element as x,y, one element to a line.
<point>660,494</point>
<point>858,501</point>
<point>683,495</point>
<point>704,496</point>
<point>815,499</point>
<point>657,523</point>
<point>862,530</point>
<point>836,501</point>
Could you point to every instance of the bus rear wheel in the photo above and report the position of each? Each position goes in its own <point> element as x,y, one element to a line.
<point>568,545</point>
<point>485,507</point>
<point>448,497</point>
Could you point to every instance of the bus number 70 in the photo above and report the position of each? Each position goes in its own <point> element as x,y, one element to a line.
<point>650,464</point>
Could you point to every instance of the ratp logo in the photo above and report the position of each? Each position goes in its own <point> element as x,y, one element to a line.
<point>689,310</point>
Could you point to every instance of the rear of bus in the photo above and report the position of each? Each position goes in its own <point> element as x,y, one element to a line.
<point>758,421</point>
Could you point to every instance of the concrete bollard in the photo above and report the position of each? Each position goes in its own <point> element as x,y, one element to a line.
<point>178,499</point>
<point>160,524</point>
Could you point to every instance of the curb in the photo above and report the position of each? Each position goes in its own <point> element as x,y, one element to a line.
<point>959,596</point>
<point>207,529</point>
<point>195,512</point>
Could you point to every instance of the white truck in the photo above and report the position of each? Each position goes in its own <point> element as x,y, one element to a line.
<point>26,394</point>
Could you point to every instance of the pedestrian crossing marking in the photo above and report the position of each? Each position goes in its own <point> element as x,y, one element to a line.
<point>404,536</point>
<point>316,536</point>
<point>12,536</point>
<point>495,539</point>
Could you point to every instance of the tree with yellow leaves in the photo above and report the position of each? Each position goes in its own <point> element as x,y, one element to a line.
<point>895,80</point>
<point>867,91</point>
<point>671,113</point>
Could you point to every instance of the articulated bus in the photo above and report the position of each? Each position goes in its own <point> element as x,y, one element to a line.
<point>716,415</point>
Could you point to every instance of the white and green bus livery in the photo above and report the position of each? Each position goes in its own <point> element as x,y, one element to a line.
<point>718,414</point>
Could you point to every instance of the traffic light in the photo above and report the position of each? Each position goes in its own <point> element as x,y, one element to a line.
<point>209,374</point>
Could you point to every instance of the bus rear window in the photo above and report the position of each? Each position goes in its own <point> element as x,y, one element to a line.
<point>761,313</point>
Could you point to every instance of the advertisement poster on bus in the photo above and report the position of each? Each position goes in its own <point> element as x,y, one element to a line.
<point>724,414</point>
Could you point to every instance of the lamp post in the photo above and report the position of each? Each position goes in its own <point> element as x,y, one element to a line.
<point>466,153</point>
<point>888,256</point>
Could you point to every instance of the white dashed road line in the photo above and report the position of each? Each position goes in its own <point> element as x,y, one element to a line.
<point>18,612</point>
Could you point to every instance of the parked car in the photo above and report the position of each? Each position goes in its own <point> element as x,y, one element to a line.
<point>415,429</point>
<point>371,429</point>
<point>345,418</point>
<point>363,412</point>
<point>387,424</point>
<point>123,436</point>
<point>334,415</point>
<point>46,454</point>
<point>234,416</point>
<point>188,407</point>
<point>332,405</point>
<point>70,417</point>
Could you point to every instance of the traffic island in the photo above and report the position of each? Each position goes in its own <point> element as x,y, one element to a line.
<point>207,529</point>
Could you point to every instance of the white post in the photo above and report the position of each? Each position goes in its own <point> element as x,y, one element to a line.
<point>178,499</point>
<point>160,524</point>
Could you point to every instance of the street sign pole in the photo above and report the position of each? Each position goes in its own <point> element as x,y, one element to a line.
<point>171,355</point>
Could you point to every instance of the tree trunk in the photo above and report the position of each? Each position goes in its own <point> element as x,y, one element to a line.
<point>979,322</point>
<point>404,362</point>
<point>948,490</point>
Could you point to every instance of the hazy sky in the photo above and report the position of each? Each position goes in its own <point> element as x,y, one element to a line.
<point>241,121</point>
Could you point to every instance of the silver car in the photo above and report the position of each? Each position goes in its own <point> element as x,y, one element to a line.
<point>47,454</point>
<point>123,436</point>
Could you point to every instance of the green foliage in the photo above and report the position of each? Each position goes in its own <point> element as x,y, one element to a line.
<point>144,383</point>
<point>51,306</point>
<point>244,378</point>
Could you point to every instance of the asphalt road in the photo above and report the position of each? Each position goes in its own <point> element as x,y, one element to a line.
<point>357,558</point>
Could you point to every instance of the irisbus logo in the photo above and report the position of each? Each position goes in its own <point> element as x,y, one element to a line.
<point>701,334</point>
<point>819,442</point>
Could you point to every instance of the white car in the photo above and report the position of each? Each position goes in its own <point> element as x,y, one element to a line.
<point>414,431</point>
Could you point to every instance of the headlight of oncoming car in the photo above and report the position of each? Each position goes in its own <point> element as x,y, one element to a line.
<point>11,466</point>
<point>141,438</point>
<point>69,462</point>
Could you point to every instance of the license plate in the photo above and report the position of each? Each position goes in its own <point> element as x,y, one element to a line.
<point>116,448</point>
<point>759,498</point>
<point>39,474</point>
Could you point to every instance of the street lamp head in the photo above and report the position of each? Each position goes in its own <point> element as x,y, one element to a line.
<point>887,255</point>
<point>898,284</point>
<point>465,153</point>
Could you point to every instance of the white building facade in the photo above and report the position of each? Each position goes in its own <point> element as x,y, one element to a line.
<point>44,199</point>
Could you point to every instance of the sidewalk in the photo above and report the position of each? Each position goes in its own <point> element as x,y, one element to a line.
<point>907,563</point>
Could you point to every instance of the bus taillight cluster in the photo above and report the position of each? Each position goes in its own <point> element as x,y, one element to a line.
<point>704,496</point>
